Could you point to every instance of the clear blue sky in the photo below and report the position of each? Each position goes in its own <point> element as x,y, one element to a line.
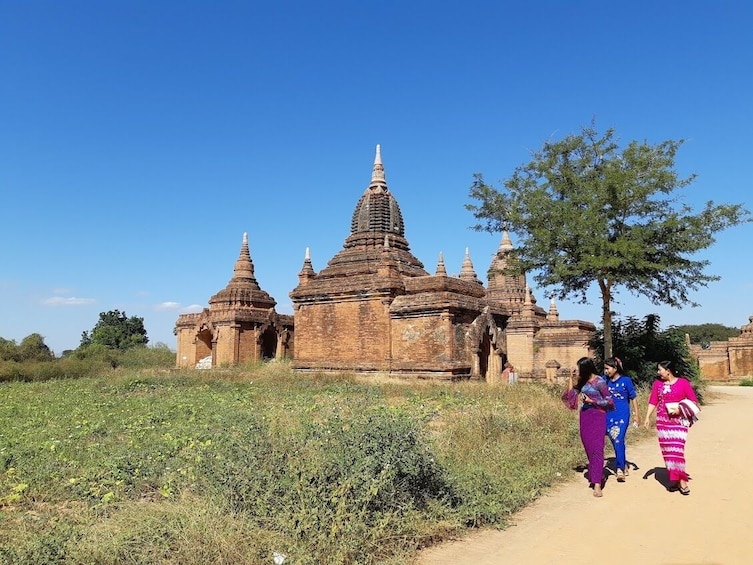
<point>139,140</point>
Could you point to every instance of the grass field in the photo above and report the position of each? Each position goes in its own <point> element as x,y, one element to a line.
<point>230,466</point>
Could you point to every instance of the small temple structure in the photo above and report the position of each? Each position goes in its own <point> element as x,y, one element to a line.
<point>240,325</point>
<point>374,309</point>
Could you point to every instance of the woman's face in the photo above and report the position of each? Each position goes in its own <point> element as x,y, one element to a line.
<point>609,370</point>
<point>664,374</point>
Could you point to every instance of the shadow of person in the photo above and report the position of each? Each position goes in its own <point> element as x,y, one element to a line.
<point>661,476</point>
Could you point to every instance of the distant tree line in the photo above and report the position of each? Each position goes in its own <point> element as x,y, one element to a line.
<point>641,344</point>
<point>116,340</point>
<point>704,334</point>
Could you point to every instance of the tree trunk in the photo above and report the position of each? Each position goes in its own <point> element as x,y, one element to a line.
<point>606,316</point>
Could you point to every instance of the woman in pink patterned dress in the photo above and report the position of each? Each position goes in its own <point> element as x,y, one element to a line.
<point>671,428</point>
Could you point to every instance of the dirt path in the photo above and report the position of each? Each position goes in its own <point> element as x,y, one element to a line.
<point>640,522</point>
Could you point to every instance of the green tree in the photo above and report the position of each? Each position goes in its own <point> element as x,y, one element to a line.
<point>704,334</point>
<point>115,330</point>
<point>641,345</point>
<point>586,211</point>
<point>31,348</point>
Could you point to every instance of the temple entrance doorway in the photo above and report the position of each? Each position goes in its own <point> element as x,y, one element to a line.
<point>203,345</point>
<point>485,348</point>
<point>268,344</point>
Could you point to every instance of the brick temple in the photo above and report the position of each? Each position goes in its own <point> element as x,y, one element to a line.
<point>374,309</point>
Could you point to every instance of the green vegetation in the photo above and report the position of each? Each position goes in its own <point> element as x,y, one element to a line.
<point>746,382</point>
<point>231,465</point>
<point>704,334</point>
<point>115,330</point>
<point>589,212</point>
<point>87,361</point>
<point>31,348</point>
<point>641,345</point>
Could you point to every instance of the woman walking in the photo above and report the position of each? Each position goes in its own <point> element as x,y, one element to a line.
<point>623,393</point>
<point>591,394</point>
<point>672,428</point>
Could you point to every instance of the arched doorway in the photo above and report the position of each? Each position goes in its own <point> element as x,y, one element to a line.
<point>268,344</point>
<point>203,344</point>
<point>484,350</point>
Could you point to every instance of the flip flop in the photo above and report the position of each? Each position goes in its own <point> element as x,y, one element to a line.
<point>685,491</point>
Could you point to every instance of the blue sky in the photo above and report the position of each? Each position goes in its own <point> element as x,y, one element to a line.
<point>139,140</point>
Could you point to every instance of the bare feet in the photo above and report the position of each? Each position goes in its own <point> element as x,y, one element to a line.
<point>620,476</point>
<point>597,491</point>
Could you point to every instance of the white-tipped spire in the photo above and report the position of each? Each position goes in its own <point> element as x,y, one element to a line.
<point>307,256</point>
<point>553,314</point>
<point>377,174</point>
<point>506,243</point>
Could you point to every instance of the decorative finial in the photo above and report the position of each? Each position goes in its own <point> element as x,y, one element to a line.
<point>441,270</point>
<point>467,272</point>
<point>377,174</point>
<point>506,243</point>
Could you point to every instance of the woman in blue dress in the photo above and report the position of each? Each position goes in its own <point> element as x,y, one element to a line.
<point>623,393</point>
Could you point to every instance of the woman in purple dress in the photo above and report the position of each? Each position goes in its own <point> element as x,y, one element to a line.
<point>591,396</point>
<point>671,426</point>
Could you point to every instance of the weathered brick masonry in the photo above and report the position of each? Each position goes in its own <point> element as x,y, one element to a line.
<point>374,309</point>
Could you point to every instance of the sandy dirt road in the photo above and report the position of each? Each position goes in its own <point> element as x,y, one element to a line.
<point>640,521</point>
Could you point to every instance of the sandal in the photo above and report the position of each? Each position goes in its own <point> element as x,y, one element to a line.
<point>620,476</point>
<point>685,491</point>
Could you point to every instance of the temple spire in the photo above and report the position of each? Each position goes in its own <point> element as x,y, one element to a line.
<point>553,315</point>
<point>467,272</point>
<point>441,270</point>
<point>506,243</point>
<point>307,271</point>
<point>244,267</point>
<point>377,173</point>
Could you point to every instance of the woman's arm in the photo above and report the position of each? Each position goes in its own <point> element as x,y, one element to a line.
<point>649,411</point>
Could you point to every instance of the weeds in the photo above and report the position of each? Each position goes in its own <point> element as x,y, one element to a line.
<point>229,466</point>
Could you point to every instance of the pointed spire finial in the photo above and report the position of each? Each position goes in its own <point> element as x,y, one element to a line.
<point>377,174</point>
<point>441,270</point>
<point>553,315</point>
<point>307,271</point>
<point>467,272</point>
<point>506,243</point>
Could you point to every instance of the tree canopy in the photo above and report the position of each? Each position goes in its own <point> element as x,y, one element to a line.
<point>641,345</point>
<point>31,348</point>
<point>116,330</point>
<point>704,334</point>
<point>587,211</point>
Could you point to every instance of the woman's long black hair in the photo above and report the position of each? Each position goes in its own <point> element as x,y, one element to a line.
<point>586,369</point>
